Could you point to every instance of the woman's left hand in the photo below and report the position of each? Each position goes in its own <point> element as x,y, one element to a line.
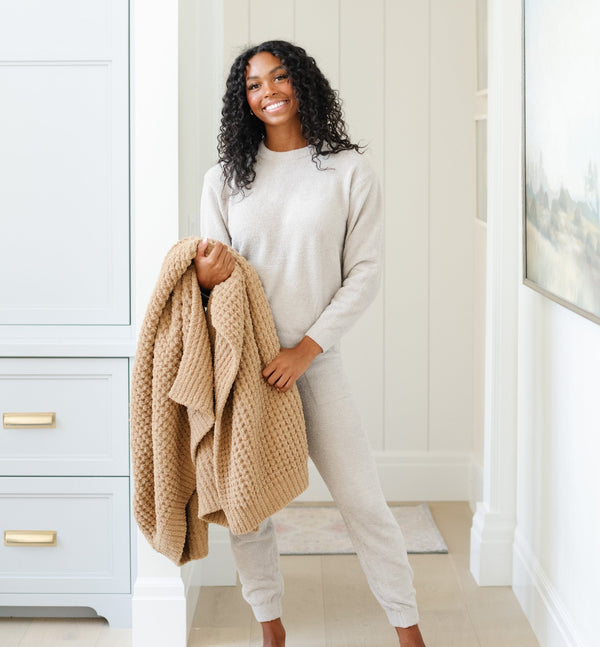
<point>290,364</point>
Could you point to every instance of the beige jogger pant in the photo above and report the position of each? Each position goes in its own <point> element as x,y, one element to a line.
<point>340,450</point>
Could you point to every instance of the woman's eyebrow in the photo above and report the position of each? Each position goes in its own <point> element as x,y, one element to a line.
<point>279,67</point>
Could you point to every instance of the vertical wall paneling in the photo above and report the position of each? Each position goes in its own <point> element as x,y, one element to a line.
<point>480,109</point>
<point>362,90</point>
<point>362,74</point>
<point>406,287</point>
<point>406,74</point>
<point>271,20</point>
<point>201,51</point>
<point>479,250</point>
<point>320,38</point>
<point>481,167</point>
<point>451,223</point>
<point>236,30</point>
<point>479,299</point>
<point>190,131</point>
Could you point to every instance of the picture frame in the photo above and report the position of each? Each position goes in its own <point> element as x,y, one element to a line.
<point>561,153</point>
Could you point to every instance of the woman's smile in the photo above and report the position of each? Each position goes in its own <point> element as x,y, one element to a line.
<point>271,98</point>
<point>275,105</point>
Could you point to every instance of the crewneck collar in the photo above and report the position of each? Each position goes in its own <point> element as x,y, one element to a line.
<point>281,156</point>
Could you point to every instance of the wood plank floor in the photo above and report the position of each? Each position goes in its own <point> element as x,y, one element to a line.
<point>328,604</point>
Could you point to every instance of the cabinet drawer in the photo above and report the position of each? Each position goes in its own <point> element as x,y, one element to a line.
<point>91,519</point>
<point>89,397</point>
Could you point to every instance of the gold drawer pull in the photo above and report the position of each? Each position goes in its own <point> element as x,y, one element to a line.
<point>29,420</point>
<point>30,537</point>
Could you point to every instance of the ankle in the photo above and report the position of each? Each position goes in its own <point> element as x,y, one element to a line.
<point>273,633</point>
<point>410,636</point>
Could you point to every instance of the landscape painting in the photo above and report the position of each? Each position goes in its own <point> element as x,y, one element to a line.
<point>562,152</point>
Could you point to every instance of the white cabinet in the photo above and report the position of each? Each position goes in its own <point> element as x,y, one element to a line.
<point>66,339</point>
<point>87,550</point>
<point>64,164</point>
<point>87,400</point>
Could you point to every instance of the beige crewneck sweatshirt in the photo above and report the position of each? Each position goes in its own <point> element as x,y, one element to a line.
<point>313,236</point>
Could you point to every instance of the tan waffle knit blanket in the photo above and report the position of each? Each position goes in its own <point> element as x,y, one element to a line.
<point>211,441</point>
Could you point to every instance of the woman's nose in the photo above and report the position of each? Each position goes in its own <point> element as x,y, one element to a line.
<point>268,89</point>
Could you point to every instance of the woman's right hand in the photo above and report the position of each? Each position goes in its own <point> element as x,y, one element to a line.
<point>215,267</point>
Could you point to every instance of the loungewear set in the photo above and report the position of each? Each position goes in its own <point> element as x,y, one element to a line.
<point>314,237</point>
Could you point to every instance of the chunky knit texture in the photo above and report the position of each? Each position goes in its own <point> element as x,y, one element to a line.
<point>211,441</point>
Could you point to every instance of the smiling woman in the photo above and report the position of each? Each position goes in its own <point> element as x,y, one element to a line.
<point>294,196</point>
<point>272,72</point>
<point>271,97</point>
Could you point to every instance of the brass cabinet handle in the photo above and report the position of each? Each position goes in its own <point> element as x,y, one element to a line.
<point>29,420</point>
<point>30,537</point>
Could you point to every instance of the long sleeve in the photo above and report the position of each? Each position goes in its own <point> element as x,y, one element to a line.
<point>313,234</point>
<point>361,265</point>
<point>213,208</point>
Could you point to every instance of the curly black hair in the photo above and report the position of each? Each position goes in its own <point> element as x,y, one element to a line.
<point>319,108</point>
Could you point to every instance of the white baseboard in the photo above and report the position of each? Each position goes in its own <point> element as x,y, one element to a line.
<point>159,611</point>
<point>541,603</point>
<point>492,537</point>
<point>411,476</point>
<point>163,607</point>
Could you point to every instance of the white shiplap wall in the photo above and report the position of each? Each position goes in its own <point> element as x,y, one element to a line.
<point>405,70</point>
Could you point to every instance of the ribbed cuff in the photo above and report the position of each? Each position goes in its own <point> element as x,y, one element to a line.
<point>268,612</point>
<point>320,335</point>
<point>403,618</point>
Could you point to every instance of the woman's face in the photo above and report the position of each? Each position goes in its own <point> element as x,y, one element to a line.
<point>269,91</point>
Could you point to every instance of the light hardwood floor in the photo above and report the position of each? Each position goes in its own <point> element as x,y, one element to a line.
<point>328,604</point>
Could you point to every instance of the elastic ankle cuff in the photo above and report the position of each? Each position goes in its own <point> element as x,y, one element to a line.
<point>268,612</point>
<point>403,617</point>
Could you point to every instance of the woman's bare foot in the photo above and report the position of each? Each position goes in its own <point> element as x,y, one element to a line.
<point>273,633</point>
<point>410,636</point>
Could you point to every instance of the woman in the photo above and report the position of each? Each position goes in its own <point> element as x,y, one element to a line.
<point>296,198</point>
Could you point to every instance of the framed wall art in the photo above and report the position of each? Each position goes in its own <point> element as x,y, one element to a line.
<point>561,126</point>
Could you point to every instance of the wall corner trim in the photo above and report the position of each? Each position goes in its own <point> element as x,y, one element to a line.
<point>492,538</point>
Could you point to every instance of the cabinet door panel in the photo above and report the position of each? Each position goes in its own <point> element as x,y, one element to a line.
<point>89,399</point>
<point>91,519</point>
<point>40,29</point>
<point>64,163</point>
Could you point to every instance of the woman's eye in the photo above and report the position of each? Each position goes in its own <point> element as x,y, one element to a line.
<point>253,86</point>
<point>281,77</point>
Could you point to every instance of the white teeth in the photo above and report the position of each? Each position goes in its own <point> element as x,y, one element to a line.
<point>273,106</point>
